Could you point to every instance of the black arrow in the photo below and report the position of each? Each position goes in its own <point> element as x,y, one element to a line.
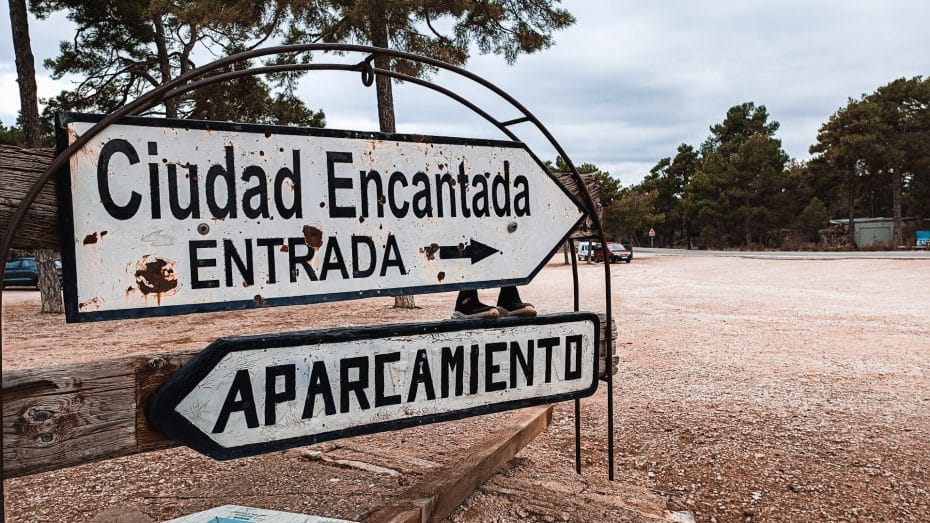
<point>475,250</point>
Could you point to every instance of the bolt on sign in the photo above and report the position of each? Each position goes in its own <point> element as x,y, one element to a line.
<point>164,217</point>
<point>251,395</point>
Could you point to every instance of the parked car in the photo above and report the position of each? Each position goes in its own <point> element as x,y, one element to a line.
<point>584,250</point>
<point>618,253</point>
<point>24,272</point>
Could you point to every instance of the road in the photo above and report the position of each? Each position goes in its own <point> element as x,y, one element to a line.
<point>792,255</point>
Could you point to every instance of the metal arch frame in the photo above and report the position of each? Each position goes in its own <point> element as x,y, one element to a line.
<point>195,79</point>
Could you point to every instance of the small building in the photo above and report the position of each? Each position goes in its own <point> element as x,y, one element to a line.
<point>871,231</point>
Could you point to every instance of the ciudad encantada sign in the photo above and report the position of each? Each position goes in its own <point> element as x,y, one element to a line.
<point>168,217</point>
<point>172,216</point>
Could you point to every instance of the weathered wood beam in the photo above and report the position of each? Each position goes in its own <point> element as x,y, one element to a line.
<point>20,168</point>
<point>65,415</point>
<point>438,494</point>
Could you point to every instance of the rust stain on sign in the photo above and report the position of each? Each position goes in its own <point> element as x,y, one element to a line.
<point>313,236</point>
<point>92,304</point>
<point>157,276</point>
<point>441,276</point>
<point>431,251</point>
<point>91,239</point>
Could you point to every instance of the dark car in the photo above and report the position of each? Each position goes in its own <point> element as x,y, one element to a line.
<point>24,272</point>
<point>618,253</point>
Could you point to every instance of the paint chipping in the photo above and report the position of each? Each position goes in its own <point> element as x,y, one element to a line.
<point>431,251</point>
<point>90,239</point>
<point>441,276</point>
<point>259,300</point>
<point>157,276</point>
<point>313,236</point>
<point>92,304</point>
<point>284,248</point>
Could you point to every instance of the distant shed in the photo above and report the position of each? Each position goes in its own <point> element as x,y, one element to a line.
<point>871,231</point>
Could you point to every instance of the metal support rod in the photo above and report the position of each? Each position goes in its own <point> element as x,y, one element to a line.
<point>577,307</point>
<point>515,121</point>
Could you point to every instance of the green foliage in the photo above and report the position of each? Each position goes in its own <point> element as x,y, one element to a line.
<point>668,178</point>
<point>732,197</point>
<point>124,49</point>
<point>871,157</point>
<point>11,135</point>
<point>875,138</point>
<point>505,28</point>
<point>813,218</point>
<point>630,216</point>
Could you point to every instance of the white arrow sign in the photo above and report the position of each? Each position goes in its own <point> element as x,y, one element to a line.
<point>174,216</point>
<point>251,395</point>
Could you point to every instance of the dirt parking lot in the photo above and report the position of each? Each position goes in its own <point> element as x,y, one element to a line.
<point>749,390</point>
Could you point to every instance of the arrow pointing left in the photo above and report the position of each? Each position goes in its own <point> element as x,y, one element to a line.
<point>255,394</point>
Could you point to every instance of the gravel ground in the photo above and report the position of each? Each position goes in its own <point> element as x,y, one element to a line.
<point>750,390</point>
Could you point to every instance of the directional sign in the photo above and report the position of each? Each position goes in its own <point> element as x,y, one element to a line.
<point>240,514</point>
<point>173,216</point>
<point>250,395</point>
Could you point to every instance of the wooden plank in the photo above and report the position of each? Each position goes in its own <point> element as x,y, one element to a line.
<point>20,168</point>
<point>65,415</point>
<point>602,356</point>
<point>438,494</point>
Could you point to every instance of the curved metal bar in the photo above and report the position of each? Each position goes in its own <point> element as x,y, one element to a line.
<point>271,69</point>
<point>159,94</point>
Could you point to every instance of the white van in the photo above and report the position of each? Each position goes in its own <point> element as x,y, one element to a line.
<point>584,250</point>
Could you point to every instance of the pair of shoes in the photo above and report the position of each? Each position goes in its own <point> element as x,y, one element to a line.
<point>474,310</point>
<point>516,309</point>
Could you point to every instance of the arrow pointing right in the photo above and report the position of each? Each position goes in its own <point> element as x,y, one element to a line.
<point>475,250</point>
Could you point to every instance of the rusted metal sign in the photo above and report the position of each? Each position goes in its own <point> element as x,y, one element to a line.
<point>250,395</point>
<point>174,216</point>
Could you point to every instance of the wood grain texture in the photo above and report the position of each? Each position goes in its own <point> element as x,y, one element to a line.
<point>19,169</point>
<point>56,417</point>
<point>438,494</point>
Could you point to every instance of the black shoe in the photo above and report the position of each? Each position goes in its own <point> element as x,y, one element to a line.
<point>468,307</point>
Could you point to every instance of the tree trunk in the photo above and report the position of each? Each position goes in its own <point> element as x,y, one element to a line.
<point>49,286</point>
<point>25,73</point>
<point>896,204</point>
<point>164,65</point>
<point>385,95</point>
<point>851,207</point>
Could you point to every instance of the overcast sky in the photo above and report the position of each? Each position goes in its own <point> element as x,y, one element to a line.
<point>631,80</point>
